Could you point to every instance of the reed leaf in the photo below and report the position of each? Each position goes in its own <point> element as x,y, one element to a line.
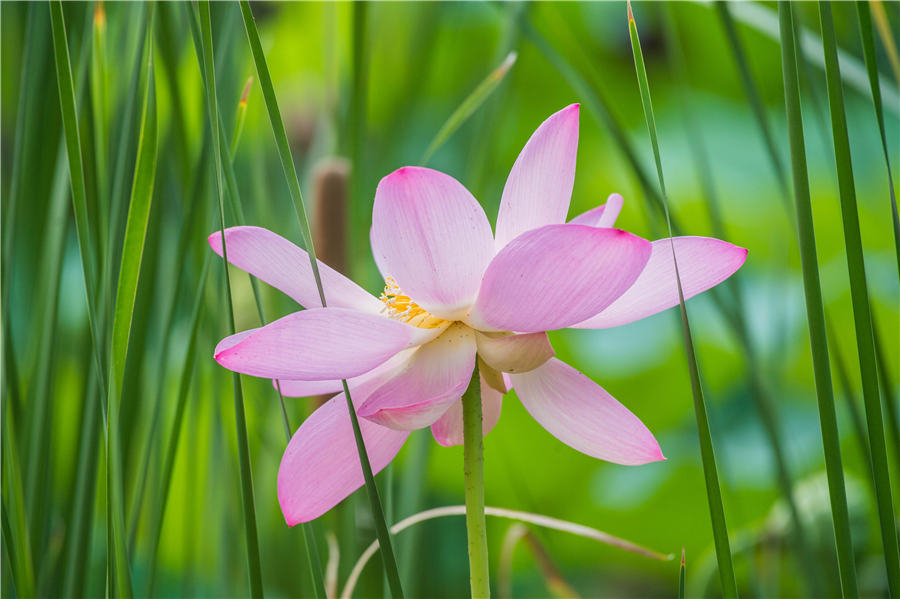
<point>247,501</point>
<point>714,492</point>
<point>469,105</point>
<point>16,538</point>
<point>287,163</point>
<point>681,576</point>
<point>862,318</point>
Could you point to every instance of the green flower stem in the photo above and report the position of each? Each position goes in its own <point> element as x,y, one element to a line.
<point>473,467</point>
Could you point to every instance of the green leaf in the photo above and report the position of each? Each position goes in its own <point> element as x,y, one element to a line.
<point>862,318</point>
<point>710,470</point>
<point>469,105</point>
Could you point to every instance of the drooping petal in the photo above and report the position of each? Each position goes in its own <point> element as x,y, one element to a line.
<point>555,276</point>
<point>320,466</point>
<point>435,376</point>
<point>432,237</point>
<point>703,262</point>
<point>318,345</point>
<point>278,262</point>
<point>539,186</point>
<point>294,388</point>
<point>578,412</point>
<point>604,215</point>
<point>232,340</point>
<point>448,430</point>
<point>514,353</point>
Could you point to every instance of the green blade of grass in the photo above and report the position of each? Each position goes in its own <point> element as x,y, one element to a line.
<point>814,303</point>
<point>681,577</point>
<point>714,493</point>
<point>469,105</point>
<point>862,318</point>
<point>247,501</point>
<point>287,163</point>
<point>126,293</point>
<point>99,86</point>
<point>864,17</point>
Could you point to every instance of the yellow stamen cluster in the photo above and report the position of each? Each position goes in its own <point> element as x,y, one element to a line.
<point>400,307</point>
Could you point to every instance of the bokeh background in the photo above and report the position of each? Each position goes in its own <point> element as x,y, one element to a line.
<point>363,90</point>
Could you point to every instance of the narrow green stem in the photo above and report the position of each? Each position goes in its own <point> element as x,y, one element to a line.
<point>473,468</point>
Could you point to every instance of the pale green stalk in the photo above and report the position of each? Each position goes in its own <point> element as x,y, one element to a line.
<point>473,470</point>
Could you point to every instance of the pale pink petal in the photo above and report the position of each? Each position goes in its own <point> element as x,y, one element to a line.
<point>232,340</point>
<point>448,430</point>
<point>703,262</point>
<point>604,215</point>
<point>435,376</point>
<point>278,262</point>
<point>555,276</point>
<point>539,186</point>
<point>514,353</point>
<point>293,388</point>
<point>578,412</point>
<point>320,466</point>
<point>432,237</point>
<point>318,345</point>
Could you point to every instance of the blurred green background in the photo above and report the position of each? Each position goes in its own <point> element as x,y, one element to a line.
<point>373,85</point>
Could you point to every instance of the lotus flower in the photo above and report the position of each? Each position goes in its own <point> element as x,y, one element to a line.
<point>456,293</point>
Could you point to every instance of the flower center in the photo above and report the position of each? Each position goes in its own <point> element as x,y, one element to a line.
<point>399,306</point>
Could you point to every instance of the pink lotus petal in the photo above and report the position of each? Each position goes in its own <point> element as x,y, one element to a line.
<point>435,376</point>
<point>232,340</point>
<point>293,388</point>
<point>555,276</point>
<point>514,353</point>
<point>703,262</point>
<point>278,262</point>
<point>578,412</point>
<point>317,345</point>
<point>448,430</point>
<point>432,237</point>
<point>320,466</point>
<point>539,186</point>
<point>604,215</point>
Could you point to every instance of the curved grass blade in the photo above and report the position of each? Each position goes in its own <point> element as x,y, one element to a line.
<point>287,163</point>
<point>557,586</point>
<point>710,471</point>
<point>469,105</point>
<point>247,501</point>
<point>126,293</point>
<point>864,18</point>
<point>862,318</point>
<point>241,117</point>
<point>498,512</point>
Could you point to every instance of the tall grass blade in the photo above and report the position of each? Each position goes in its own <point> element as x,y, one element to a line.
<point>681,577</point>
<point>814,303</point>
<point>864,17</point>
<point>469,105</point>
<point>99,87</point>
<point>714,493</point>
<point>247,501</point>
<point>287,163</point>
<point>862,316</point>
<point>126,293</point>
